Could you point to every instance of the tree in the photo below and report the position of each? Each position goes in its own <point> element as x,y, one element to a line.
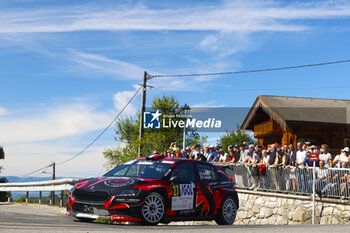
<point>235,137</point>
<point>127,131</point>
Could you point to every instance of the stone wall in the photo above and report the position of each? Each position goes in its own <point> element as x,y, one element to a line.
<point>276,208</point>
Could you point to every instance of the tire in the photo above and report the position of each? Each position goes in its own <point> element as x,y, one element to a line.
<point>153,210</point>
<point>227,212</point>
<point>85,219</point>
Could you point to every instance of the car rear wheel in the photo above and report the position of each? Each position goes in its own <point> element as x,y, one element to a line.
<point>153,210</point>
<point>227,212</point>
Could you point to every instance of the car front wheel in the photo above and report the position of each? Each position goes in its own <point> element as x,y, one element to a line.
<point>227,212</point>
<point>153,210</point>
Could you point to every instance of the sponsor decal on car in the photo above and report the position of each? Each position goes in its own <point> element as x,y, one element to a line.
<point>118,182</point>
<point>183,196</point>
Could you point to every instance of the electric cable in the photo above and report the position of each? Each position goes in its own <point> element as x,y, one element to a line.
<point>150,76</point>
<point>103,131</point>
<point>88,146</point>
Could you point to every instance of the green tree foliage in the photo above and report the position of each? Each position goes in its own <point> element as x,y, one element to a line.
<point>127,131</point>
<point>235,137</point>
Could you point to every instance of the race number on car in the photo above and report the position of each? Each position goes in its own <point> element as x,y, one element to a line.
<point>182,197</point>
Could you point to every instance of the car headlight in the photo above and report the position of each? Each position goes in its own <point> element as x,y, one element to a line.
<point>127,192</point>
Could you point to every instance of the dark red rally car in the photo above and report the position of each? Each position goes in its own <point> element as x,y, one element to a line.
<point>156,190</point>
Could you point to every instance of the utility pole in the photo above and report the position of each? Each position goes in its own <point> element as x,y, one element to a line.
<point>143,103</point>
<point>53,164</point>
<point>186,109</point>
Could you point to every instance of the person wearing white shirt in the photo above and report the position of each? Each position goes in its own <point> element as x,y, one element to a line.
<point>265,157</point>
<point>222,156</point>
<point>321,176</point>
<point>196,152</point>
<point>206,152</point>
<point>326,156</point>
<point>243,154</point>
<point>252,162</point>
<point>342,158</point>
<point>301,155</point>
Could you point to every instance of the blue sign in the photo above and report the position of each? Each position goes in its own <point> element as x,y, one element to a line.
<point>151,120</point>
<point>186,189</point>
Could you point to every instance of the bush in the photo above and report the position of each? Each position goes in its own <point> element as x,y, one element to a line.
<point>21,199</point>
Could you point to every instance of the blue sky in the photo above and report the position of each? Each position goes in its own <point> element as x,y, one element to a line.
<point>67,67</point>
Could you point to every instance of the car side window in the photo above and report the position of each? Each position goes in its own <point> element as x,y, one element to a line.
<point>185,171</point>
<point>207,172</point>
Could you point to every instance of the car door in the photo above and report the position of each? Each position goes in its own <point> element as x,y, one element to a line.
<point>183,188</point>
<point>206,188</point>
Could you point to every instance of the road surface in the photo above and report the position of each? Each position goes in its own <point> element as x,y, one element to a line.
<point>27,218</point>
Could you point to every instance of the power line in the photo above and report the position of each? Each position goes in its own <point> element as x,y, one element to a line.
<point>90,144</point>
<point>276,89</point>
<point>30,173</point>
<point>103,131</point>
<point>247,71</point>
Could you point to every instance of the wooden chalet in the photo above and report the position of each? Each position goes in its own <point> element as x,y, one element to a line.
<point>284,120</point>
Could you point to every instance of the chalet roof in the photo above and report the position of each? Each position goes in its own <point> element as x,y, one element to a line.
<point>286,109</point>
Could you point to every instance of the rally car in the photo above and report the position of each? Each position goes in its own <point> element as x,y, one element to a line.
<point>157,189</point>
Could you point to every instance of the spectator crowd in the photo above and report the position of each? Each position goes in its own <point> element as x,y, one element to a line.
<point>278,168</point>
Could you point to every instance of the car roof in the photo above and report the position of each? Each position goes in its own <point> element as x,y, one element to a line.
<point>178,160</point>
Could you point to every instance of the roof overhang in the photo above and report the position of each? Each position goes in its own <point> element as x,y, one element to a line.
<point>260,103</point>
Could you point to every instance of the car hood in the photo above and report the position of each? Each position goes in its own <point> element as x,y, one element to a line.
<point>110,183</point>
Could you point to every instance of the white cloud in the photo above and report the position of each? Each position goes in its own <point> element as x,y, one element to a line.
<point>99,63</point>
<point>227,43</point>
<point>247,16</point>
<point>22,158</point>
<point>55,122</point>
<point>185,84</point>
<point>209,41</point>
<point>55,134</point>
<point>121,99</point>
<point>3,112</point>
<point>210,103</point>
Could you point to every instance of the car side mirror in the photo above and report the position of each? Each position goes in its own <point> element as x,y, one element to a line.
<point>174,179</point>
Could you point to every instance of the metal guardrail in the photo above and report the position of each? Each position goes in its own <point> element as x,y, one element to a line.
<point>50,185</point>
<point>62,185</point>
<point>330,182</point>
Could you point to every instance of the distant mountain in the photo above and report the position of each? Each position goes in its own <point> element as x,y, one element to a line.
<point>30,178</point>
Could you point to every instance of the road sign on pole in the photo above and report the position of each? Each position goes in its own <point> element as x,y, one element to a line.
<point>313,157</point>
<point>313,192</point>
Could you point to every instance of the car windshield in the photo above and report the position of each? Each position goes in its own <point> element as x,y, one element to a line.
<point>142,169</point>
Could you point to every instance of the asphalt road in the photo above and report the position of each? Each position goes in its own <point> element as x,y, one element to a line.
<point>23,218</point>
